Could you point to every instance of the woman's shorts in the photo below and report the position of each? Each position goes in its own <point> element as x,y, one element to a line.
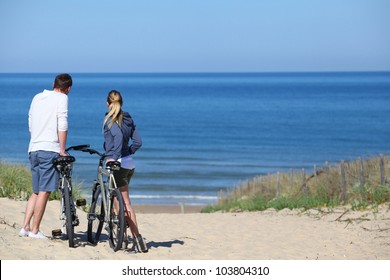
<point>44,176</point>
<point>123,176</point>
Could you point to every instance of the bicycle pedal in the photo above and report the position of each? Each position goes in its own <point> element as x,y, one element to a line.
<point>125,244</point>
<point>91,217</point>
<point>81,202</point>
<point>75,223</point>
<point>56,232</point>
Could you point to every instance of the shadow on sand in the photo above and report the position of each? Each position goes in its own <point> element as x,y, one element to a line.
<point>81,240</point>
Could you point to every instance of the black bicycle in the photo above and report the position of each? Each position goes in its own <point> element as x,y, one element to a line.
<point>107,205</point>
<point>68,215</point>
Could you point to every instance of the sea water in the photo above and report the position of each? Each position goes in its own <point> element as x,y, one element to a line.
<point>206,132</point>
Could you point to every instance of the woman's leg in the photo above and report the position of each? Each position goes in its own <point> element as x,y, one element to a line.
<point>130,216</point>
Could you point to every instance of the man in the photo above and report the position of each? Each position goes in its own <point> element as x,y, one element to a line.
<point>48,125</point>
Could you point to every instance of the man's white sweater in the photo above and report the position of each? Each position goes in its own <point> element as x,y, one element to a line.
<point>48,114</point>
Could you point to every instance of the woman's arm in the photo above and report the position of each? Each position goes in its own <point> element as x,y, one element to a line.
<point>137,142</point>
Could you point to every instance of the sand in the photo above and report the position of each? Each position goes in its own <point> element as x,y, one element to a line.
<point>324,234</point>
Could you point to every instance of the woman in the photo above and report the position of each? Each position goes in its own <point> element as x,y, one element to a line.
<point>119,128</point>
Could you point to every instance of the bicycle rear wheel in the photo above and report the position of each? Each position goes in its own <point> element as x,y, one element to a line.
<point>96,216</point>
<point>117,220</point>
<point>68,214</point>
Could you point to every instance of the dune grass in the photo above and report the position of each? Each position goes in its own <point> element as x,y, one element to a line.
<point>16,183</point>
<point>364,184</point>
<point>359,183</point>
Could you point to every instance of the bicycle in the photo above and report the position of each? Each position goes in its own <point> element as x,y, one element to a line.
<point>68,215</point>
<point>107,205</point>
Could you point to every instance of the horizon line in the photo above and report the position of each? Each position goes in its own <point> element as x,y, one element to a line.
<point>203,72</point>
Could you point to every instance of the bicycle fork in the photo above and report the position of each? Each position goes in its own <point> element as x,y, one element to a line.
<point>75,220</point>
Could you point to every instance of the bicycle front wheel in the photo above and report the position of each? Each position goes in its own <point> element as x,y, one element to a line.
<point>68,214</point>
<point>117,220</point>
<point>96,216</point>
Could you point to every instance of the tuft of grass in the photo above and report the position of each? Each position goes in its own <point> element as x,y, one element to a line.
<point>16,183</point>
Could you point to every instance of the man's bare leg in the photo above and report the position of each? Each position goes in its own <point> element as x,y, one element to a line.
<point>39,210</point>
<point>29,211</point>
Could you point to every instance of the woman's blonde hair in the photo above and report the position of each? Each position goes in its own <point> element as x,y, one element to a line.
<point>114,101</point>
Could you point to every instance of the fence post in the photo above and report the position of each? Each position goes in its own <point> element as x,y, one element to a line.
<point>291,180</point>
<point>327,170</point>
<point>304,186</point>
<point>382,169</point>
<point>327,167</point>
<point>277,183</point>
<point>361,173</point>
<point>261,186</point>
<point>269,184</point>
<point>343,182</point>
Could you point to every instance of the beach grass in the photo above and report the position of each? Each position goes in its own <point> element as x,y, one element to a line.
<point>359,183</point>
<point>363,184</point>
<point>16,183</point>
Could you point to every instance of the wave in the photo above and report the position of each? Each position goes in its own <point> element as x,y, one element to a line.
<point>195,197</point>
<point>174,199</point>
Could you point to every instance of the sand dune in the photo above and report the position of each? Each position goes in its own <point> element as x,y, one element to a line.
<point>338,234</point>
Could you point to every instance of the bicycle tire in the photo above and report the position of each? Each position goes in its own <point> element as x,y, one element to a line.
<point>116,221</point>
<point>68,214</point>
<point>96,216</point>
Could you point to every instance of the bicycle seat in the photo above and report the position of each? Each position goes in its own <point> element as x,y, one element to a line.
<point>63,160</point>
<point>113,165</point>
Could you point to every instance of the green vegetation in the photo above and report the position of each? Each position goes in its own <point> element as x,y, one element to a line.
<point>360,183</point>
<point>15,183</point>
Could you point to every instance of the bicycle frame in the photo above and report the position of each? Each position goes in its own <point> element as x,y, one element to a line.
<point>66,182</point>
<point>68,216</point>
<point>110,209</point>
<point>106,191</point>
<point>110,178</point>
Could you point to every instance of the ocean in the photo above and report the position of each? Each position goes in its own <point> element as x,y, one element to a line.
<point>206,132</point>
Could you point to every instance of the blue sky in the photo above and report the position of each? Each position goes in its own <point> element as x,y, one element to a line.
<point>194,36</point>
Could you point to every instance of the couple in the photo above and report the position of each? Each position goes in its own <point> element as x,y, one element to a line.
<point>48,125</point>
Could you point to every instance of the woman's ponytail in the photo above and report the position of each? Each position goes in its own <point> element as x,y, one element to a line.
<point>114,101</point>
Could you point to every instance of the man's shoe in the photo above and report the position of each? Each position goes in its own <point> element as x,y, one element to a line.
<point>39,235</point>
<point>23,233</point>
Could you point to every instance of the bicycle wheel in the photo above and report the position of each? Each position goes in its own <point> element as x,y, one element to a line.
<point>117,220</point>
<point>96,216</point>
<point>68,214</point>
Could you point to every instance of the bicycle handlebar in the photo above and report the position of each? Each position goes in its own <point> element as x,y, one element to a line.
<point>91,151</point>
<point>78,147</point>
<point>112,165</point>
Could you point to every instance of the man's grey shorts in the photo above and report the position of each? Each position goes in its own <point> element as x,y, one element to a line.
<point>44,176</point>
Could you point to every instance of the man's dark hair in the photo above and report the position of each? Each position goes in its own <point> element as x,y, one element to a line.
<point>63,81</point>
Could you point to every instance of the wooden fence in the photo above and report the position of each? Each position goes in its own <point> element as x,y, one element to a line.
<point>344,180</point>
